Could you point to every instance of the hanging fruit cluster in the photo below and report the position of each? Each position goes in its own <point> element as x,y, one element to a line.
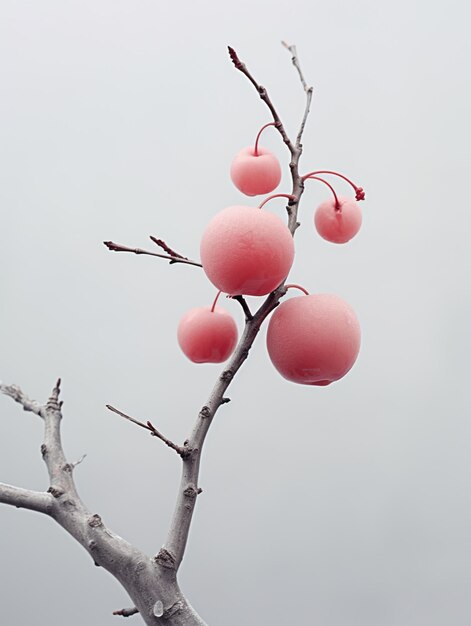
<point>311,339</point>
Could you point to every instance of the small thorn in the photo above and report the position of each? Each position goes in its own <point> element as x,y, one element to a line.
<point>225,400</point>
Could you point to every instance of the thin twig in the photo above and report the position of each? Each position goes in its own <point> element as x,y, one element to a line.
<point>81,459</point>
<point>308,90</point>
<point>244,305</point>
<point>116,247</point>
<point>126,612</point>
<point>262,92</point>
<point>295,61</point>
<point>182,451</point>
<point>161,243</point>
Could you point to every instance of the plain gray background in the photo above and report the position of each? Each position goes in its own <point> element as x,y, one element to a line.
<point>339,506</point>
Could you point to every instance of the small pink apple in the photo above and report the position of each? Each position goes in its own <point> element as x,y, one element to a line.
<point>246,251</point>
<point>314,339</point>
<point>338,225</point>
<point>207,336</point>
<point>255,174</point>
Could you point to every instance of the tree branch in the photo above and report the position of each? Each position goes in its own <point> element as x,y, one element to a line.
<point>117,247</point>
<point>26,499</point>
<point>295,61</point>
<point>161,243</point>
<point>262,92</point>
<point>242,301</point>
<point>171,553</point>
<point>181,450</point>
<point>18,396</point>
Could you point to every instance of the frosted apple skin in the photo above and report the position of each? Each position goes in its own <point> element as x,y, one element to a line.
<point>313,340</point>
<point>246,251</point>
<point>338,226</point>
<point>255,175</point>
<point>207,336</point>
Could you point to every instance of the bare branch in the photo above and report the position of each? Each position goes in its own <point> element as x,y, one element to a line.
<point>18,396</point>
<point>171,554</point>
<point>295,61</point>
<point>117,247</point>
<point>81,459</point>
<point>244,305</point>
<point>26,499</point>
<point>161,243</point>
<point>181,450</point>
<point>262,92</point>
<point>126,612</point>
<point>308,90</point>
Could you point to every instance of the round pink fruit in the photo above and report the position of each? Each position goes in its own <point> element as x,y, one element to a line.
<point>255,174</point>
<point>207,336</point>
<point>338,226</point>
<point>246,251</point>
<point>313,340</point>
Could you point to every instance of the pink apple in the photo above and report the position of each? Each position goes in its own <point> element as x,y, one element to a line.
<point>313,340</point>
<point>207,336</point>
<point>255,174</point>
<point>246,251</point>
<point>338,226</point>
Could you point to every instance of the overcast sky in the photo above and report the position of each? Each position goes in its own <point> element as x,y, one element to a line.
<point>339,506</point>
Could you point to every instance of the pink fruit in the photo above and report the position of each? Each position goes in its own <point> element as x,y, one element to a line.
<point>338,226</point>
<point>255,173</point>
<point>207,336</point>
<point>313,340</point>
<point>246,251</point>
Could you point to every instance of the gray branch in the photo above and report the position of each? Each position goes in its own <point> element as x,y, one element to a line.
<point>138,573</point>
<point>18,396</point>
<point>26,499</point>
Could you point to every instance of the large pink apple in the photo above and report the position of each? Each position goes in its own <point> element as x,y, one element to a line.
<point>313,340</point>
<point>255,174</point>
<point>246,251</point>
<point>207,336</point>
<point>338,226</point>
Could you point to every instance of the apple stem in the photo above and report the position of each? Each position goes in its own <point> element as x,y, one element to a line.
<point>359,191</point>
<point>338,206</point>
<point>258,136</point>
<point>277,195</point>
<point>293,286</point>
<point>215,300</point>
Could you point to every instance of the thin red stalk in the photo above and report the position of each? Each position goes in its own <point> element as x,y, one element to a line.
<point>277,195</point>
<point>293,286</point>
<point>258,136</point>
<point>360,194</point>
<point>337,203</point>
<point>215,300</point>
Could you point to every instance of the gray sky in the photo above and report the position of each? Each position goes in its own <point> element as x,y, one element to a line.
<point>341,506</point>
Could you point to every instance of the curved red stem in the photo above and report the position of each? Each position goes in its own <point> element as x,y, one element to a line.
<point>277,195</point>
<point>293,286</point>
<point>258,136</point>
<point>215,300</point>
<point>338,206</point>
<point>359,192</point>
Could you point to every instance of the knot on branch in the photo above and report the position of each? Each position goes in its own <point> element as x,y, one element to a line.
<point>227,375</point>
<point>165,559</point>
<point>173,610</point>
<point>191,492</point>
<point>55,492</point>
<point>95,521</point>
<point>43,450</point>
<point>205,412</point>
